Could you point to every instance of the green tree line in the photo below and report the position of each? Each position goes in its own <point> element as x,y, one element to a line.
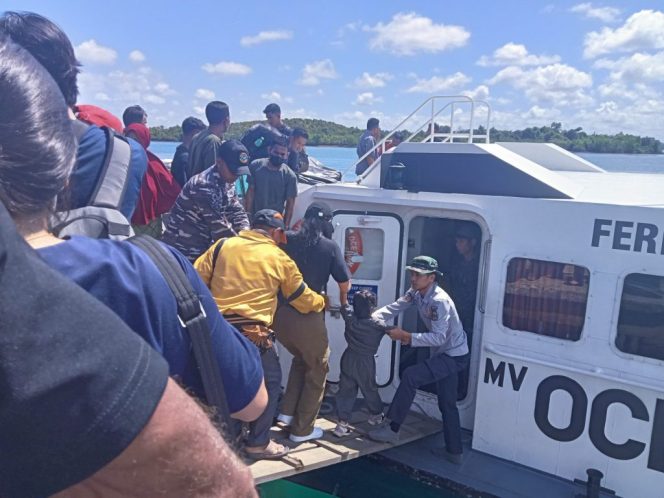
<point>575,139</point>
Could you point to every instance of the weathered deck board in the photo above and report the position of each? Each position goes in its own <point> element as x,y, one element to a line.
<point>331,449</point>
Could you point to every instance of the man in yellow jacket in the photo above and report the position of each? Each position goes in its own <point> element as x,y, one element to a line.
<point>247,275</point>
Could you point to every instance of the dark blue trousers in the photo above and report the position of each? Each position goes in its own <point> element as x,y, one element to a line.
<point>259,430</point>
<point>443,370</point>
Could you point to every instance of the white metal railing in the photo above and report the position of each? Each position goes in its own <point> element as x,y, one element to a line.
<point>444,102</point>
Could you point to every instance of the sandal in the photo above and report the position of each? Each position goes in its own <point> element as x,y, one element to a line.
<point>273,451</point>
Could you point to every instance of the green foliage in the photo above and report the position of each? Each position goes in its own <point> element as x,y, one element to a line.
<point>575,140</point>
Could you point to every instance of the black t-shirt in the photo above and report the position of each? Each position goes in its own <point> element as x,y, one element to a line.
<point>179,164</point>
<point>77,384</point>
<point>317,262</point>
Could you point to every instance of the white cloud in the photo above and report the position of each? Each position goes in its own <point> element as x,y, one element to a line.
<point>136,56</point>
<point>313,73</point>
<point>154,99</point>
<point>265,36</point>
<point>638,67</point>
<point>102,97</point>
<point>410,33</point>
<point>164,88</point>
<point>90,52</point>
<point>557,83</point>
<point>377,80</point>
<point>479,93</point>
<point>227,68</point>
<point>367,98</point>
<point>514,54</point>
<point>199,110</point>
<point>642,31</point>
<point>439,83</point>
<point>276,97</point>
<point>604,14</point>
<point>204,94</point>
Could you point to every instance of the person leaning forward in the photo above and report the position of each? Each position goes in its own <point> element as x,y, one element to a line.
<point>245,274</point>
<point>449,354</point>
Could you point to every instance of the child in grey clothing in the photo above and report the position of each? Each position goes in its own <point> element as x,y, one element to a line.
<point>358,367</point>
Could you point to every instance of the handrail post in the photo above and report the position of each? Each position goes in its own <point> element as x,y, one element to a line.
<point>452,123</point>
<point>472,113</point>
<point>432,126</point>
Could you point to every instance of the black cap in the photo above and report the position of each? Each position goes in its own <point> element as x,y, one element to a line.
<point>268,218</point>
<point>235,155</point>
<point>272,109</point>
<point>319,210</point>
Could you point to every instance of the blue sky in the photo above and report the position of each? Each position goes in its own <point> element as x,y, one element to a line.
<point>595,65</point>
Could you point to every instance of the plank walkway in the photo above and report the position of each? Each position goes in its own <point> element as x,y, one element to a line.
<point>331,449</point>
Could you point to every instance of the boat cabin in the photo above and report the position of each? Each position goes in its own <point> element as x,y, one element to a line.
<point>567,313</point>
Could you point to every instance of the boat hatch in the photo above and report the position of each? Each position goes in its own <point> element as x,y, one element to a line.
<point>331,449</point>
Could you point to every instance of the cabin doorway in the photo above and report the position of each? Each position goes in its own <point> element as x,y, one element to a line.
<point>456,245</point>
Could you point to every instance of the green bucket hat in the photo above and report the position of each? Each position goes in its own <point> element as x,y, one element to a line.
<point>423,264</point>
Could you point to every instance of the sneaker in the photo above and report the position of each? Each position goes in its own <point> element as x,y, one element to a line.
<point>285,419</point>
<point>317,433</point>
<point>342,429</point>
<point>376,419</point>
<point>384,435</point>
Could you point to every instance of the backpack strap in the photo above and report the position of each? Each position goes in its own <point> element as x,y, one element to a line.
<point>114,174</point>
<point>192,317</point>
<point>217,250</point>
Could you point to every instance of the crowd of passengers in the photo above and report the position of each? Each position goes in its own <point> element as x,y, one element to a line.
<point>102,394</point>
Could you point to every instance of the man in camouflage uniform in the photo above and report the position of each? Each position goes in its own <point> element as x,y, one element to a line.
<point>208,208</point>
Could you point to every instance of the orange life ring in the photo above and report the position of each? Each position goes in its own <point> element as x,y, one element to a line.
<point>353,249</point>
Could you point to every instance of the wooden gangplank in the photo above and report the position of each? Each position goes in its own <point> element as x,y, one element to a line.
<point>331,449</point>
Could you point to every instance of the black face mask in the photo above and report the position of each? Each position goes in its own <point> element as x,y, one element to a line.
<point>276,160</point>
<point>328,229</point>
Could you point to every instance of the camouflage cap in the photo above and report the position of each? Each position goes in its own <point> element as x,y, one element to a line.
<point>423,264</point>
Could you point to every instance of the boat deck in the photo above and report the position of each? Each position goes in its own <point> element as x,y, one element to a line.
<point>331,449</point>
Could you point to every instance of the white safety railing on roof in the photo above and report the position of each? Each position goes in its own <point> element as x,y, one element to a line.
<point>438,105</point>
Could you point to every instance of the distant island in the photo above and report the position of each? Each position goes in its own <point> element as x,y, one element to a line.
<point>575,140</point>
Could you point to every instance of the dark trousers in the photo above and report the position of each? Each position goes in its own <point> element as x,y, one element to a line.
<point>443,370</point>
<point>259,430</point>
<point>357,371</point>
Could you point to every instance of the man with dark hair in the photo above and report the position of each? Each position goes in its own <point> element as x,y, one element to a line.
<point>246,274</point>
<point>111,424</point>
<point>208,209</point>
<point>273,115</point>
<point>367,142</point>
<point>272,184</point>
<point>134,114</point>
<point>190,127</point>
<point>49,45</point>
<point>298,160</point>
<point>203,146</point>
<point>449,354</point>
<point>305,336</point>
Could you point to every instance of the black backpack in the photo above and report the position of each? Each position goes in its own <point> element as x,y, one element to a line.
<point>102,218</point>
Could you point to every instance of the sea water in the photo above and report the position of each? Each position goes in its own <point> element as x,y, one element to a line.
<point>343,159</point>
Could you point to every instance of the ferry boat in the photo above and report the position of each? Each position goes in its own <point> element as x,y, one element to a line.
<point>567,360</point>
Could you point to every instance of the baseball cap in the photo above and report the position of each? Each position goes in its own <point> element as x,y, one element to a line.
<point>423,264</point>
<point>319,210</point>
<point>272,108</point>
<point>268,218</point>
<point>235,155</point>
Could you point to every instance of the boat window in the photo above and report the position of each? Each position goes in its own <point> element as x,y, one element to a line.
<point>546,298</point>
<point>641,318</point>
<point>363,251</point>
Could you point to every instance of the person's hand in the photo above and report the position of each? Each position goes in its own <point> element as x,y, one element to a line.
<point>397,334</point>
<point>326,298</point>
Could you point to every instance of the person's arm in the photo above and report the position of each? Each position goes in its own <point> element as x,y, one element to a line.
<point>235,212</point>
<point>370,160</point>
<point>178,453</point>
<point>209,154</point>
<point>255,408</point>
<point>301,297</point>
<point>387,314</point>
<point>288,213</point>
<point>344,287</point>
